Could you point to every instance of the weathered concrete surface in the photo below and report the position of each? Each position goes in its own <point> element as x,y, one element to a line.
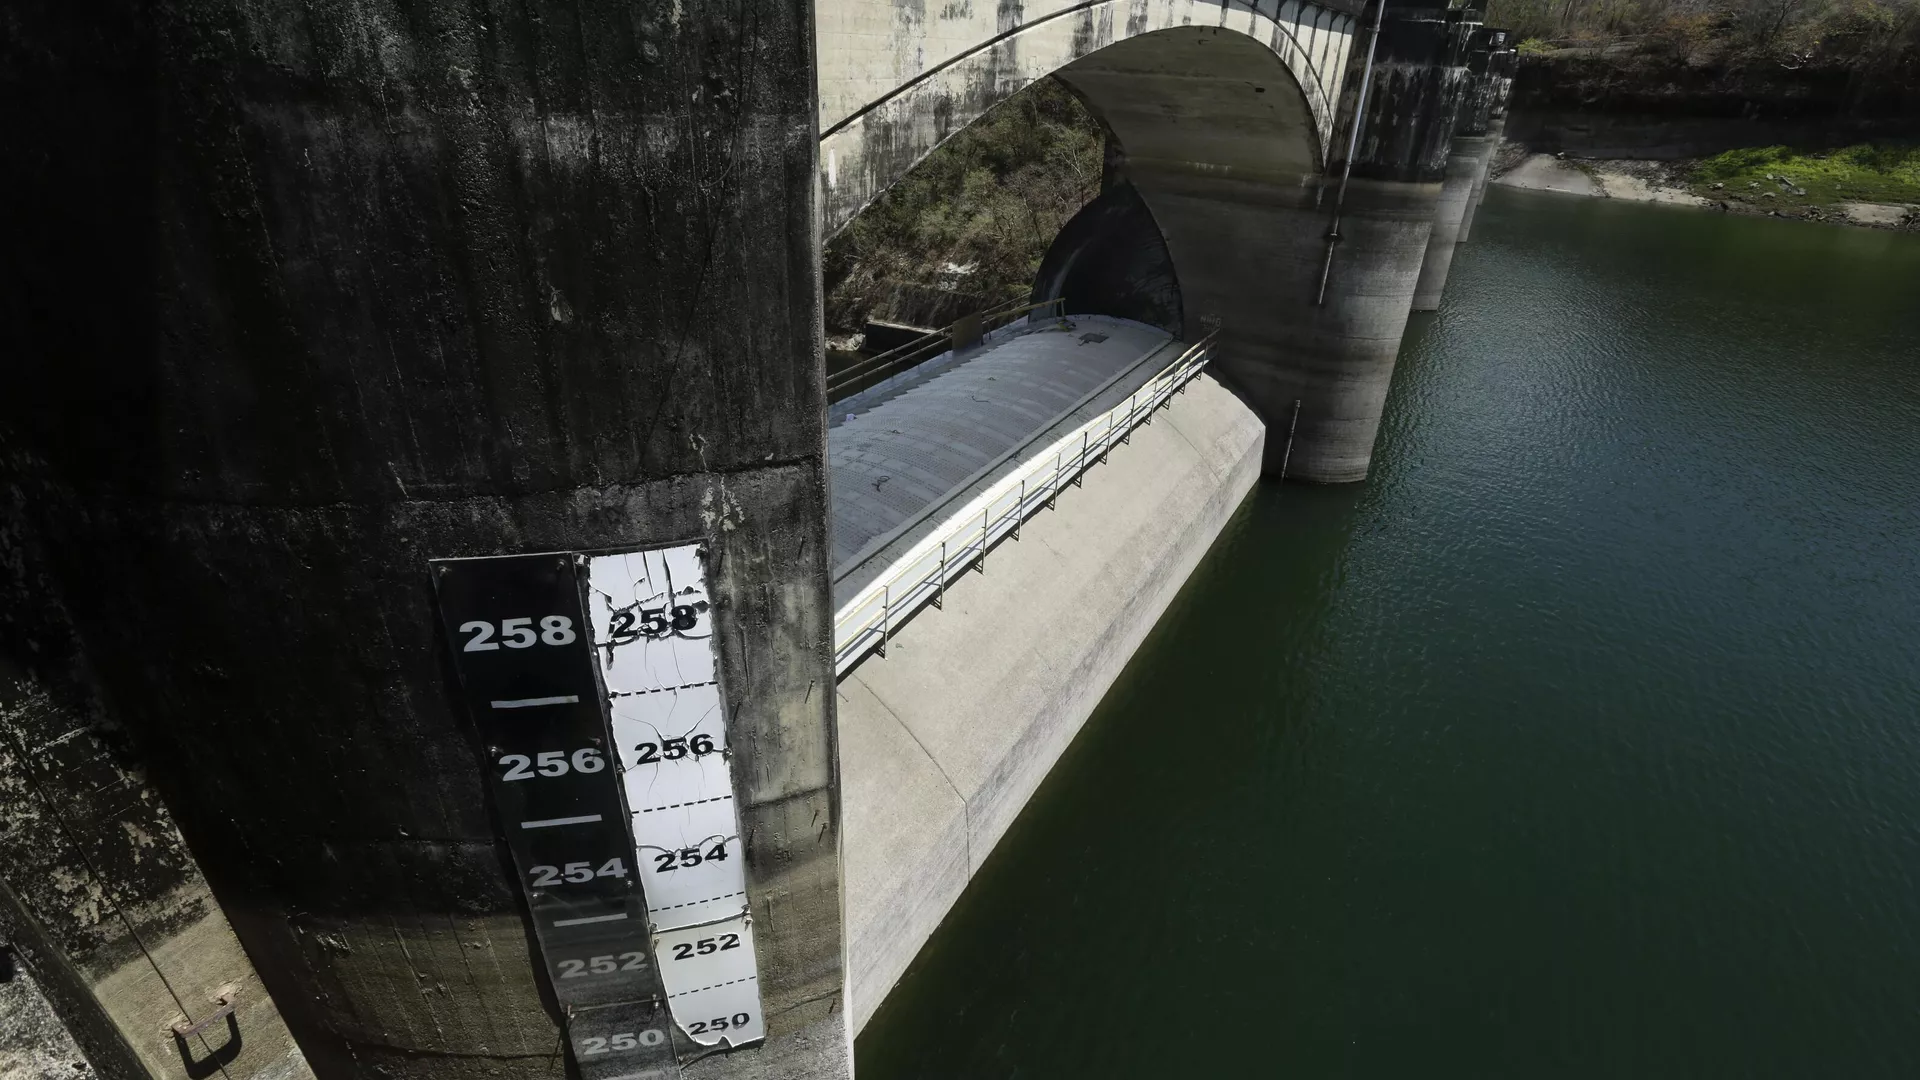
<point>896,79</point>
<point>54,1015</point>
<point>34,1043</point>
<point>1471,157</point>
<point>1464,166</point>
<point>1501,60</point>
<point>395,282</point>
<point>1110,259</point>
<point>1482,176</point>
<point>1257,260</point>
<point>1239,190</point>
<point>98,869</point>
<point>945,739</point>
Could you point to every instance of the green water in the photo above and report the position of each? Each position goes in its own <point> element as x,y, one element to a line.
<point>1583,740</point>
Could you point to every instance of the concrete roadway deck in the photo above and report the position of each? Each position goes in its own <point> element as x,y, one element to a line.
<point>944,740</point>
<point>904,451</point>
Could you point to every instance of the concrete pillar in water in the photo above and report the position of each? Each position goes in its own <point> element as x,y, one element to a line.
<point>1499,82</point>
<point>319,293</point>
<point>1311,303</point>
<point>1466,171</point>
<point>1456,192</point>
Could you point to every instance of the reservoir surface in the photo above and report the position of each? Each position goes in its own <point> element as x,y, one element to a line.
<point>1582,740</point>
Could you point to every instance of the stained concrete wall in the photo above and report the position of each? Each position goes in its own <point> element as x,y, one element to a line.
<point>1246,203</point>
<point>1110,259</point>
<point>945,739</point>
<point>34,1043</point>
<point>1497,90</point>
<point>96,869</point>
<point>101,893</point>
<point>1311,277</point>
<point>899,77</point>
<point>1465,165</point>
<point>305,294</point>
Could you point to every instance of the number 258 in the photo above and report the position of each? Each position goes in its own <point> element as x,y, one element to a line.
<point>517,633</point>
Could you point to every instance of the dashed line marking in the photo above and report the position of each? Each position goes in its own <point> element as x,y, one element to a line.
<point>662,689</point>
<point>678,805</point>
<point>690,903</point>
<point>715,986</point>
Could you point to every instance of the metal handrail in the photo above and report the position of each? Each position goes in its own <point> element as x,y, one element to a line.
<point>957,335</point>
<point>866,623</point>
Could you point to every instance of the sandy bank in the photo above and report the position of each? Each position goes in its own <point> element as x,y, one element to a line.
<point>1641,181</point>
<point>1660,182</point>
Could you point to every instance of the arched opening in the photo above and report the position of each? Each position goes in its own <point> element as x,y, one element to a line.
<point>1191,102</point>
<point>1171,105</point>
<point>951,67</point>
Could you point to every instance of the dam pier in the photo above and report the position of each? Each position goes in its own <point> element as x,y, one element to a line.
<point>454,626</point>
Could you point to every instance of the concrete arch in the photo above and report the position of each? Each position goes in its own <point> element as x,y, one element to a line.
<point>896,79</point>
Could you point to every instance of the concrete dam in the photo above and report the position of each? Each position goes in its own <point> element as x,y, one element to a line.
<point>455,626</point>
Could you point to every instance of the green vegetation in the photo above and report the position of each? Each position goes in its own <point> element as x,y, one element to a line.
<point>969,225</point>
<point>1887,172</point>
<point>1533,46</point>
<point>1879,37</point>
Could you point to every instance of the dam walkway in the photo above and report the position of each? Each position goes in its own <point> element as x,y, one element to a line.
<point>947,725</point>
<point>932,468</point>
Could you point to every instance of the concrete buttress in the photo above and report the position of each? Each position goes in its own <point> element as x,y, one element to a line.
<point>307,294</point>
<point>1217,139</point>
<point>1498,87</point>
<point>1467,164</point>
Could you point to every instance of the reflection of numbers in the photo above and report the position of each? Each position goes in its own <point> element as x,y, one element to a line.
<point>603,965</point>
<point>688,858</point>
<point>552,763</point>
<point>675,749</point>
<point>577,873</point>
<point>517,633</point>
<point>652,622</point>
<point>626,1040</point>
<point>719,1023</point>
<point>706,946</point>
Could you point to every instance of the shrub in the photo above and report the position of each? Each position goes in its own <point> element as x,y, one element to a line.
<point>975,217</point>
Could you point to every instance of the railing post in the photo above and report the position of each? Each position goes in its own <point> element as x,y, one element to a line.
<point>1053,491</point>
<point>982,564</point>
<point>886,618</point>
<point>940,593</point>
<point>1020,509</point>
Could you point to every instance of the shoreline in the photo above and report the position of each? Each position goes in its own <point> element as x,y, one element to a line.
<point>1664,182</point>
